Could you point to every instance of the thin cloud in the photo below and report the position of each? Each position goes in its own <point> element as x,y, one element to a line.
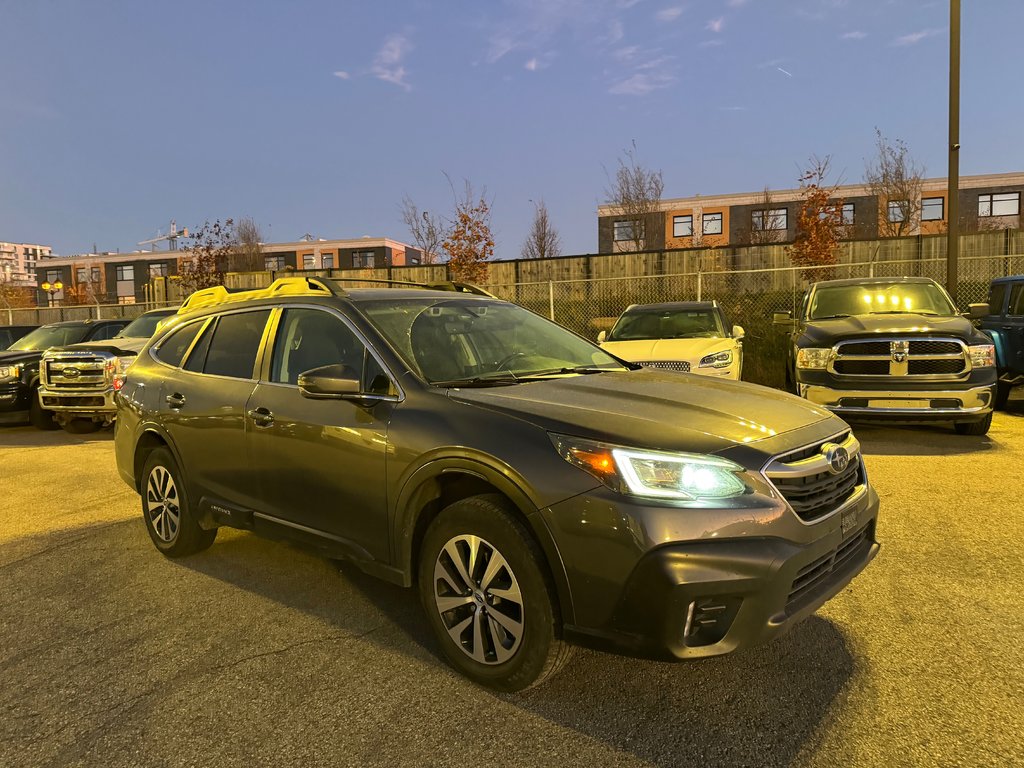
<point>786,72</point>
<point>531,65</point>
<point>711,44</point>
<point>737,4</point>
<point>854,35</point>
<point>342,74</point>
<point>915,37</point>
<point>626,54</point>
<point>669,14</point>
<point>732,109</point>
<point>716,25</point>
<point>387,64</point>
<point>642,83</point>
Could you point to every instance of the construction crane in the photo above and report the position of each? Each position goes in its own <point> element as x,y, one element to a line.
<point>171,237</point>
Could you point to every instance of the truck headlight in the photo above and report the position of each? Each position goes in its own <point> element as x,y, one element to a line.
<point>982,355</point>
<point>9,372</point>
<point>655,474</point>
<point>716,360</point>
<point>813,358</point>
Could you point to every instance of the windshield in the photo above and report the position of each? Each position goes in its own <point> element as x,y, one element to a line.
<point>879,298</point>
<point>143,326</point>
<point>661,323</point>
<point>446,340</point>
<point>50,336</point>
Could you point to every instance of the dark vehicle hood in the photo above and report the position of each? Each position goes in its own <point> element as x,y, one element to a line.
<point>124,347</point>
<point>827,332</point>
<point>10,357</point>
<point>653,408</point>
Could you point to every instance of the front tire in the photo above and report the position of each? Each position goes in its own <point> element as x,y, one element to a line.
<point>1002,395</point>
<point>974,427</point>
<point>81,426</point>
<point>39,417</point>
<point>488,596</point>
<point>166,510</point>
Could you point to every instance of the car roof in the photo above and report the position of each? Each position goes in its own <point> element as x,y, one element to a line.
<point>667,305</point>
<point>375,294</point>
<point>1008,279</point>
<point>88,321</point>
<point>873,281</point>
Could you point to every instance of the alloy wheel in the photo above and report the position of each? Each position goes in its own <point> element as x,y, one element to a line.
<point>162,504</point>
<point>479,600</point>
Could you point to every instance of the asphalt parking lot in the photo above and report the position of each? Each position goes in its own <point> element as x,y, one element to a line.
<point>258,653</point>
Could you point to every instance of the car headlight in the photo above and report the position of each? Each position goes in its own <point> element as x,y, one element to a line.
<point>716,360</point>
<point>655,474</point>
<point>9,372</point>
<point>982,355</point>
<point>812,357</point>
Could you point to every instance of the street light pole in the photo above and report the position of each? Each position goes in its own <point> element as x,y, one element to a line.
<point>953,180</point>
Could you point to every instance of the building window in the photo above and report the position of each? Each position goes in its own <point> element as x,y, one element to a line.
<point>773,218</point>
<point>125,299</point>
<point>1004,204</point>
<point>125,272</point>
<point>82,275</point>
<point>96,275</point>
<point>626,230</point>
<point>682,226</point>
<point>53,275</point>
<point>932,209</point>
<point>158,269</point>
<point>327,261</point>
<point>273,263</point>
<point>309,261</point>
<point>712,224</point>
<point>362,259</point>
<point>897,210</point>
<point>847,213</point>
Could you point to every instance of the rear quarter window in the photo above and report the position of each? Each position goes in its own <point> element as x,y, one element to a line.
<point>172,349</point>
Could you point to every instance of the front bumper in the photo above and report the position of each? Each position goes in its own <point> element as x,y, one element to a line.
<point>98,404</point>
<point>14,401</point>
<point>938,404</point>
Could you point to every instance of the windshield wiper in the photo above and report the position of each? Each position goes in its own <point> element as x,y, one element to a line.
<point>581,369</point>
<point>479,381</point>
<point>829,317</point>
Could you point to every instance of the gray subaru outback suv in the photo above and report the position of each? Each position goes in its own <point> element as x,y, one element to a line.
<point>537,490</point>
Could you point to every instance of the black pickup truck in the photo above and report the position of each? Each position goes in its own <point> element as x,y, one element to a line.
<point>19,366</point>
<point>891,348</point>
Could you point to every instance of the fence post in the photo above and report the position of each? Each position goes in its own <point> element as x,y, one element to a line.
<point>551,299</point>
<point>871,269</point>
<point>700,286</point>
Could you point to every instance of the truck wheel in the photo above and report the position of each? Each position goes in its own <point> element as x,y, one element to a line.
<point>39,416</point>
<point>488,596</point>
<point>166,510</point>
<point>974,427</point>
<point>1002,395</point>
<point>81,426</point>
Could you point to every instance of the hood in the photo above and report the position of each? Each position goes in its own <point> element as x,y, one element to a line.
<point>827,332</point>
<point>667,349</point>
<point>12,356</point>
<point>653,408</point>
<point>130,345</point>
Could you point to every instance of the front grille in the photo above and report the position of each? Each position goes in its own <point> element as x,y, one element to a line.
<point>90,372</point>
<point>671,365</point>
<point>813,496</point>
<point>811,450</point>
<point>899,357</point>
<point>821,571</point>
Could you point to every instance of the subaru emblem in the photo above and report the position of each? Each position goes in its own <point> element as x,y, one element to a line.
<point>838,458</point>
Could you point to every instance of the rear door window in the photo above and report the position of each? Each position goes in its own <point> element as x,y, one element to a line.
<point>234,345</point>
<point>107,332</point>
<point>996,299</point>
<point>1016,307</point>
<point>172,350</point>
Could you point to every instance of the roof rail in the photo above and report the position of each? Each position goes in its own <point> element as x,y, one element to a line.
<point>283,286</point>
<point>442,285</point>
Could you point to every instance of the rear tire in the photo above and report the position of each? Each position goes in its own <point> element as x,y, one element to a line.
<point>165,508</point>
<point>81,426</point>
<point>489,597</point>
<point>1002,395</point>
<point>974,427</point>
<point>39,417</point>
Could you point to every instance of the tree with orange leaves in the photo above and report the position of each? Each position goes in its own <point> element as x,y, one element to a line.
<point>818,221</point>
<point>470,243</point>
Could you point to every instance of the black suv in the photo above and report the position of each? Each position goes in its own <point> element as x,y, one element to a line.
<point>19,366</point>
<point>535,488</point>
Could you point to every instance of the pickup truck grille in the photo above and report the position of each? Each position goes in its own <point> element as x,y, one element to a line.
<point>671,365</point>
<point>811,486</point>
<point>76,371</point>
<point>935,358</point>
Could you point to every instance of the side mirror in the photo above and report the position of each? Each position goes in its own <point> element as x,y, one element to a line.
<point>329,382</point>
<point>602,336</point>
<point>978,311</point>
<point>782,318</point>
<point>738,332</point>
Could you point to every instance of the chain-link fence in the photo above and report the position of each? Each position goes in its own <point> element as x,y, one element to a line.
<point>56,314</point>
<point>748,297</point>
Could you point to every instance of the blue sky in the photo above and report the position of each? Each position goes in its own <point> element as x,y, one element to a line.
<point>319,116</point>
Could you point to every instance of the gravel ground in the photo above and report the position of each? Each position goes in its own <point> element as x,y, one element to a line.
<point>258,653</point>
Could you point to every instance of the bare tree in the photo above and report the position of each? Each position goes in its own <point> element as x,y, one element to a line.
<point>250,245</point>
<point>767,220</point>
<point>636,194</point>
<point>543,242</point>
<point>13,296</point>
<point>428,231</point>
<point>894,178</point>
<point>209,249</point>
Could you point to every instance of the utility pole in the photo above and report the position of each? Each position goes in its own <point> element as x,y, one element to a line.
<point>953,180</point>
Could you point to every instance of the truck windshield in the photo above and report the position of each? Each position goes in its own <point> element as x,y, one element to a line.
<point>144,326</point>
<point>879,298</point>
<point>50,336</point>
<point>475,341</point>
<point>642,323</point>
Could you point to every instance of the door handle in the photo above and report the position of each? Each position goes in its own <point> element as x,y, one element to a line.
<point>261,417</point>
<point>176,400</point>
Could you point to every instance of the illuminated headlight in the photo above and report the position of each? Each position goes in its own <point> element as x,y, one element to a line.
<point>717,360</point>
<point>655,474</point>
<point>983,355</point>
<point>812,357</point>
<point>9,372</point>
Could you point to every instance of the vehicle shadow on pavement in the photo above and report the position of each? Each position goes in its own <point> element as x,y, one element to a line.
<point>918,440</point>
<point>15,436</point>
